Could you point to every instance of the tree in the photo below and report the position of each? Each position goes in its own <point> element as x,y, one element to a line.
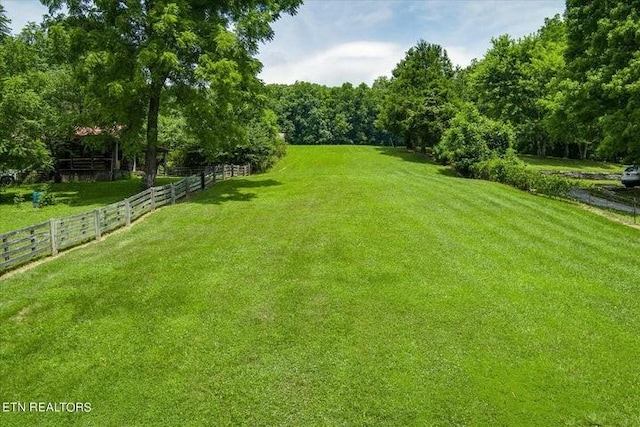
<point>5,30</point>
<point>22,125</point>
<point>603,60</point>
<point>40,102</point>
<point>473,138</point>
<point>309,113</point>
<point>419,99</point>
<point>129,52</point>
<point>513,82</point>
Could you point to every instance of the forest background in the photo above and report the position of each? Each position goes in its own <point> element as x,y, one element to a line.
<point>185,76</point>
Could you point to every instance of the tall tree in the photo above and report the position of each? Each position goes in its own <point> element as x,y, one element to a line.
<point>37,97</point>
<point>5,29</point>
<point>514,79</point>
<point>603,60</point>
<point>419,97</point>
<point>131,51</point>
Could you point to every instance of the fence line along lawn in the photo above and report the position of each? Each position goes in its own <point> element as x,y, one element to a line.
<point>71,198</point>
<point>349,286</point>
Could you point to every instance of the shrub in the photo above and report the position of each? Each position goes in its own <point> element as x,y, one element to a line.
<point>263,147</point>
<point>512,171</point>
<point>473,138</point>
<point>46,197</point>
<point>18,200</point>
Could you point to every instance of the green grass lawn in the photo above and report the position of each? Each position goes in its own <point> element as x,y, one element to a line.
<point>71,197</point>
<point>566,165</point>
<point>349,286</point>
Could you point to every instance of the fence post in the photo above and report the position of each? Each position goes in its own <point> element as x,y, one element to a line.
<point>6,248</point>
<point>32,232</point>
<point>187,184</point>
<point>202,183</point>
<point>634,210</point>
<point>153,198</point>
<point>127,212</point>
<point>96,218</point>
<point>53,233</point>
<point>173,194</point>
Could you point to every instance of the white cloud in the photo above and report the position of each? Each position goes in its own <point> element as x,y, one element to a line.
<point>354,62</point>
<point>374,17</point>
<point>461,55</point>
<point>321,42</point>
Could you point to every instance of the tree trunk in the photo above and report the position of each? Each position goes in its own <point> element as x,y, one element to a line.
<point>583,148</point>
<point>152,138</point>
<point>566,150</point>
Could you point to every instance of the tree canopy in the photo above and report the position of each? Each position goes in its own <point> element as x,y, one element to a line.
<point>603,62</point>
<point>314,114</point>
<point>182,73</point>
<point>419,99</point>
<point>5,29</point>
<point>129,52</point>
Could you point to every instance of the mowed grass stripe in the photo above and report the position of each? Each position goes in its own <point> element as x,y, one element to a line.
<point>349,286</point>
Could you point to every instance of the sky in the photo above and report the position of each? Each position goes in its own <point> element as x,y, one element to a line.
<point>336,41</point>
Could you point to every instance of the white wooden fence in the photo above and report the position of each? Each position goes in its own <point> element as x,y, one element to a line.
<point>50,237</point>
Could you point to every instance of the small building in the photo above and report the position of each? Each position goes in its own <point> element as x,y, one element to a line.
<point>92,154</point>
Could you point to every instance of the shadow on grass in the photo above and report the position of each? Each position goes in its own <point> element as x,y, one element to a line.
<point>410,156</point>
<point>404,154</point>
<point>449,172</point>
<point>234,190</point>
<point>85,193</point>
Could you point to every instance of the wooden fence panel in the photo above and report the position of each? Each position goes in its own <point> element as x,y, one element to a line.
<point>75,229</point>
<point>140,204</point>
<point>20,246</point>
<point>180,189</point>
<point>162,195</point>
<point>194,184</point>
<point>112,217</point>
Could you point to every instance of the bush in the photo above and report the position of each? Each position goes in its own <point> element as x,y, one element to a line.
<point>263,147</point>
<point>512,171</point>
<point>473,138</point>
<point>46,197</point>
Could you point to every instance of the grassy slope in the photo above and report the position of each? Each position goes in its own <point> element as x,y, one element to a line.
<point>554,163</point>
<point>346,287</point>
<point>71,198</point>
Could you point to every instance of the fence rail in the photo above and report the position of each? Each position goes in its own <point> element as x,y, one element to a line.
<point>51,237</point>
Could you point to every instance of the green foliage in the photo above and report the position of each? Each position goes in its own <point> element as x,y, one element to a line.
<point>47,197</point>
<point>312,114</point>
<point>40,102</point>
<point>128,54</point>
<point>5,30</point>
<point>262,149</point>
<point>512,171</point>
<point>473,138</point>
<point>603,62</point>
<point>419,100</point>
<point>18,200</point>
<point>515,83</point>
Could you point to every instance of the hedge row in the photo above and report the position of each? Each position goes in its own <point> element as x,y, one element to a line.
<point>513,172</point>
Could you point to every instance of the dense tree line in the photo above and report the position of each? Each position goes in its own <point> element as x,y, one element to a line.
<point>182,74</point>
<point>570,89</point>
<point>310,113</point>
<point>135,65</point>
